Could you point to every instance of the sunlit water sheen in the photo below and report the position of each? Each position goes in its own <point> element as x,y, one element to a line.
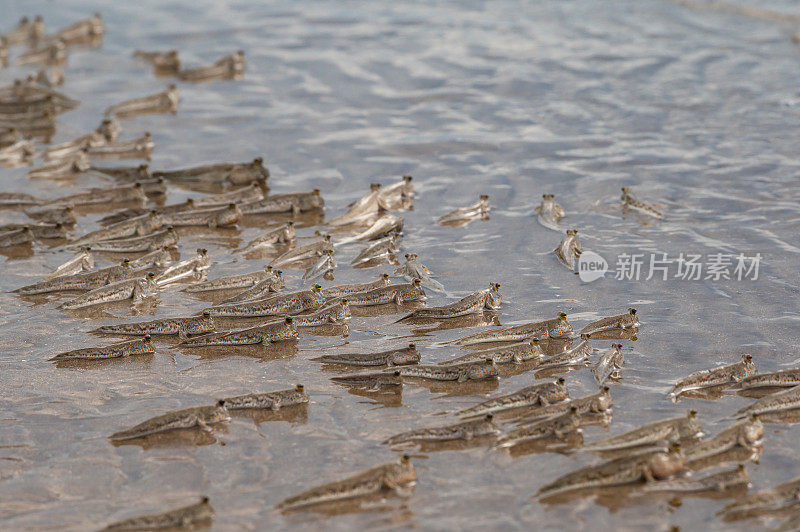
<point>504,98</point>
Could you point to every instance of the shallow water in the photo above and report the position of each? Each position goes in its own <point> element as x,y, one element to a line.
<point>697,109</point>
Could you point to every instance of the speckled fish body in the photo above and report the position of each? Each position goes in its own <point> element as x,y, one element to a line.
<point>168,238</point>
<point>361,210</point>
<point>138,226</point>
<point>314,249</point>
<point>38,230</point>
<point>792,524</point>
<point>17,237</point>
<point>373,380</point>
<point>80,262</point>
<point>82,281</point>
<point>53,215</point>
<point>141,346</point>
<point>578,355</point>
<point>387,477</point>
<point>782,496</point>
<point>544,393</point>
<point>25,31</point>
<point>283,234</point>
<point>397,196</point>
<point>609,363</point>
<point>488,299</point>
<point>278,203</point>
<point>18,154</point>
<point>774,402</point>
<point>465,430</point>
<point>632,202</point>
<point>511,354</point>
<point>240,195</point>
<point>477,210</point>
<point>380,248</point>
<point>785,378</point>
<point>453,372</point>
<point>159,258</point>
<point>398,293</point>
<point>628,320</point>
<point>184,269</point>
<point>346,290</point>
<point>275,331</point>
<point>97,196</point>
<point>244,280</point>
<point>223,173</point>
<point>668,430</point>
<point>731,373</point>
<point>555,328</point>
<point>549,212</point>
<point>291,303</point>
<point>386,224</point>
<point>187,418</point>
<point>18,199</point>
<point>598,402</point>
<point>166,326</point>
<point>52,54</point>
<point>569,249</point>
<point>162,102</point>
<point>66,149</point>
<point>133,212</point>
<point>81,31</point>
<point>125,173</point>
<point>163,62</point>
<point>337,313</point>
<point>721,481</point>
<point>215,217</point>
<point>393,357</point>
<point>626,470</point>
<point>186,517</point>
<point>745,433</point>
<point>412,269</point>
<point>326,263</point>
<point>229,67</point>
<point>271,400</point>
<point>136,148</point>
<point>43,127</point>
<point>135,289</point>
<point>557,426</point>
<point>264,289</point>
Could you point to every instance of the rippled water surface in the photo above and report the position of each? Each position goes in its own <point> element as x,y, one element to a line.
<point>697,109</point>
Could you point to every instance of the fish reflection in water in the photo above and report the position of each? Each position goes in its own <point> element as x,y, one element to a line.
<point>454,388</point>
<point>175,438</point>
<point>262,352</point>
<point>461,322</point>
<point>386,396</point>
<point>296,414</point>
<point>550,444</point>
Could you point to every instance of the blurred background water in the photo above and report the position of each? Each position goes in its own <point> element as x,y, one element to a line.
<point>698,109</point>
